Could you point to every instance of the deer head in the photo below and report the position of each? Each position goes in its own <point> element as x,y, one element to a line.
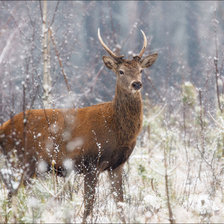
<point>128,71</point>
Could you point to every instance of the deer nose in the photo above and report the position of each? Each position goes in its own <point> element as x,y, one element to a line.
<point>137,85</point>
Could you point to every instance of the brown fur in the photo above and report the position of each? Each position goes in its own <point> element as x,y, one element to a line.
<point>106,134</point>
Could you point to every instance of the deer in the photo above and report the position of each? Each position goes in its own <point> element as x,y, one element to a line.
<point>94,139</point>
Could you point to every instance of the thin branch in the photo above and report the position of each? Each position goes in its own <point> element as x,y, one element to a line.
<point>8,43</point>
<point>153,86</point>
<point>201,121</point>
<point>60,63</point>
<point>96,77</point>
<point>55,196</point>
<point>41,11</point>
<point>171,218</point>
<point>201,132</point>
<point>216,59</point>
<point>56,9</point>
<point>157,114</point>
<point>216,122</point>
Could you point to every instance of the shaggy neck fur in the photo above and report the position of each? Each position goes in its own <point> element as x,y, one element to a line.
<point>128,115</point>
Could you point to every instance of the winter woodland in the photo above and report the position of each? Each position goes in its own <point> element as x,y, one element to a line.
<point>50,57</point>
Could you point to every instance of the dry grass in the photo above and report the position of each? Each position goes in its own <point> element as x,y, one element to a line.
<point>194,168</point>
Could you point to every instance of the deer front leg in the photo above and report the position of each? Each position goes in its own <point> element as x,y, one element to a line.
<point>116,180</point>
<point>90,180</point>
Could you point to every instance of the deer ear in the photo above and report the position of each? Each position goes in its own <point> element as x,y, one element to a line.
<point>149,60</point>
<point>109,62</point>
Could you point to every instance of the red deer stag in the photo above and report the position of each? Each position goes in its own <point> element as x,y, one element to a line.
<point>93,139</point>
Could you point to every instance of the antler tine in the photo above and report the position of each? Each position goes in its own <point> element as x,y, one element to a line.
<point>111,53</point>
<point>144,45</point>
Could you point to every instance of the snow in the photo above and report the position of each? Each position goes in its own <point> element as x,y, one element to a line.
<point>33,202</point>
<point>42,166</point>
<point>54,128</point>
<point>74,144</point>
<point>68,164</point>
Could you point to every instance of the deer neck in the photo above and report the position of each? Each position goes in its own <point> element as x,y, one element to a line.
<point>127,114</point>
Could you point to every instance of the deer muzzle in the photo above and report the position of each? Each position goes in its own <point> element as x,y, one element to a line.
<point>136,85</point>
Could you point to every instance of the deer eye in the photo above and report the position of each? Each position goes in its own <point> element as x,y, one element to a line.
<point>141,70</point>
<point>121,72</point>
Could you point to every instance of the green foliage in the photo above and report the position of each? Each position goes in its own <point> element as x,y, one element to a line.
<point>189,94</point>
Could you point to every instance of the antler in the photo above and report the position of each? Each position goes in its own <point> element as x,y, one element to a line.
<point>111,53</point>
<point>144,45</point>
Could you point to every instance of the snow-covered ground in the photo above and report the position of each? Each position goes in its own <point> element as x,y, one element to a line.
<point>195,182</point>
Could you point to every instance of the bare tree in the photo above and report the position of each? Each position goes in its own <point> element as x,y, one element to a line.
<point>46,58</point>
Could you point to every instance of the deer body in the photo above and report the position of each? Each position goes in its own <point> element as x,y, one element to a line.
<point>90,136</point>
<point>93,139</point>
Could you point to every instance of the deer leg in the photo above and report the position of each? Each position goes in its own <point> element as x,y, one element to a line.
<point>90,180</point>
<point>116,180</point>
